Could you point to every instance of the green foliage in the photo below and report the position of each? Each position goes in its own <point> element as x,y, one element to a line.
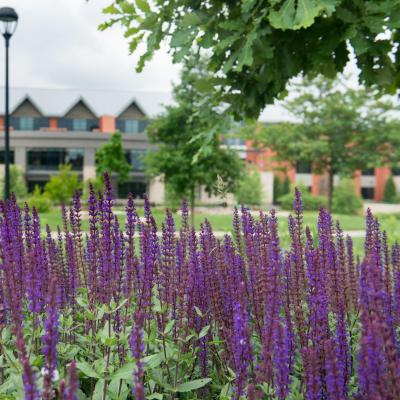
<point>61,187</point>
<point>342,129</point>
<point>390,194</point>
<point>249,190</point>
<point>111,158</point>
<point>280,188</point>
<point>257,46</point>
<point>345,200</point>
<point>310,202</point>
<point>277,189</point>
<point>39,200</point>
<point>17,182</point>
<point>188,152</point>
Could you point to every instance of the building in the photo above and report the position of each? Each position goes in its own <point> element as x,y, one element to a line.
<point>50,127</point>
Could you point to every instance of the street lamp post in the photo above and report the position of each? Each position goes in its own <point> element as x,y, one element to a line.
<point>9,19</point>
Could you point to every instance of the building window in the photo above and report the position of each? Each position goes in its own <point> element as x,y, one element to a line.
<point>132,126</point>
<point>367,193</point>
<point>138,190</point>
<point>50,159</point>
<point>79,124</point>
<point>2,156</point>
<point>396,171</point>
<point>303,167</point>
<point>33,183</point>
<point>134,158</point>
<point>26,123</point>
<point>234,141</point>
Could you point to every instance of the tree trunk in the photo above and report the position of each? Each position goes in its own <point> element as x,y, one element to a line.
<point>330,189</point>
<point>192,195</point>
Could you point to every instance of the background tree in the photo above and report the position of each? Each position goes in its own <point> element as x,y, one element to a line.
<point>257,46</point>
<point>111,158</point>
<point>181,131</point>
<point>17,182</point>
<point>249,190</point>
<point>62,186</point>
<point>390,193</point>
<point>340,130</point>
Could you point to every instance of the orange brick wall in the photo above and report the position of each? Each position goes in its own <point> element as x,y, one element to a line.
<point>107,124</point>
<point>381,176</point>
<point>53,123</point>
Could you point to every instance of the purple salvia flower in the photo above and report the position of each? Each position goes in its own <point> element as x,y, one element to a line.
<point>242,348</point>
<point>73,383</point>
<point>50,340</point>
<point>137,349</point>
<point>282,344</point>
<point>29,380</point>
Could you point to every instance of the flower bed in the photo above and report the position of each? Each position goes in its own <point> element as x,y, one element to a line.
<point>109,314</point>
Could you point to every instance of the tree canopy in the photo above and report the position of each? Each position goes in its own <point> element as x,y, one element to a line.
<point>340,129</point>
<point>257,46</point>
<point>179,135</point>
<point>111,158</point>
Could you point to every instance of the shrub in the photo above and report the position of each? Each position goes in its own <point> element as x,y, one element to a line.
<point>249,190</point>
<point>281,188</point>
<point>61,187</point>
<point>310,202</point>
<point>345,201</point>
<point>17,182</point>
<point>40,200</point>
<point>389,194</point>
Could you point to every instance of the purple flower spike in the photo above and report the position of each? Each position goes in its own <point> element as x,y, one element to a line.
<point>137,348</point>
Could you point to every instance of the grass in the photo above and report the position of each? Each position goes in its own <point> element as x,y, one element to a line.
<point>390,223</point>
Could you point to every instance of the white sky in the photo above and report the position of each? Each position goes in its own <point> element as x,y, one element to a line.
<point>57,45</point>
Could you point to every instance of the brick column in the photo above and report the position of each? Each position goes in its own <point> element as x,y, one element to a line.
<point>357,182</point>
<point>107,124</point>
<point>381,176</point>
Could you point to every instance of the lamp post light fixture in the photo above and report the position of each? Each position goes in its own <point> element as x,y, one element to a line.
<point>9,20</point>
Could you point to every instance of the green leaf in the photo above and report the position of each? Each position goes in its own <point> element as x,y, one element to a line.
<point>111,9</point>
<point>192,385</point>
<point>190,20</point>
<point>125,372</point>
<point>98,390</point>
<point>84,367</point>
<point>299,14</point>
<point>169,327</point>
<point>143,5</point>
<point>204,331</point>
<point>153,361</point>
<point>155,396</point>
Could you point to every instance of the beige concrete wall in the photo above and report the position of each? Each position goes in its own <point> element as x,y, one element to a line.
<point>20,157</point>
<point>157,191</point>
<point>206,199</point>
<point>267,183</point>
<point>89,164</point>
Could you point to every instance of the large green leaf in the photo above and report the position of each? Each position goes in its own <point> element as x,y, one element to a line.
<point>84,367</point>
<point>296,14</point>
<point>193,385</point>
<point>125,372</point>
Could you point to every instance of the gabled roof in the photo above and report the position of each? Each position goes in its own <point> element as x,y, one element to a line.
<point>57,102</point>
<point>28,99</point>
<point>130,104</point>
<point>80,99</point>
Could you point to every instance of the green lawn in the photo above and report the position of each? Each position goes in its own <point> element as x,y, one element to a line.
<point>390,223</point>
